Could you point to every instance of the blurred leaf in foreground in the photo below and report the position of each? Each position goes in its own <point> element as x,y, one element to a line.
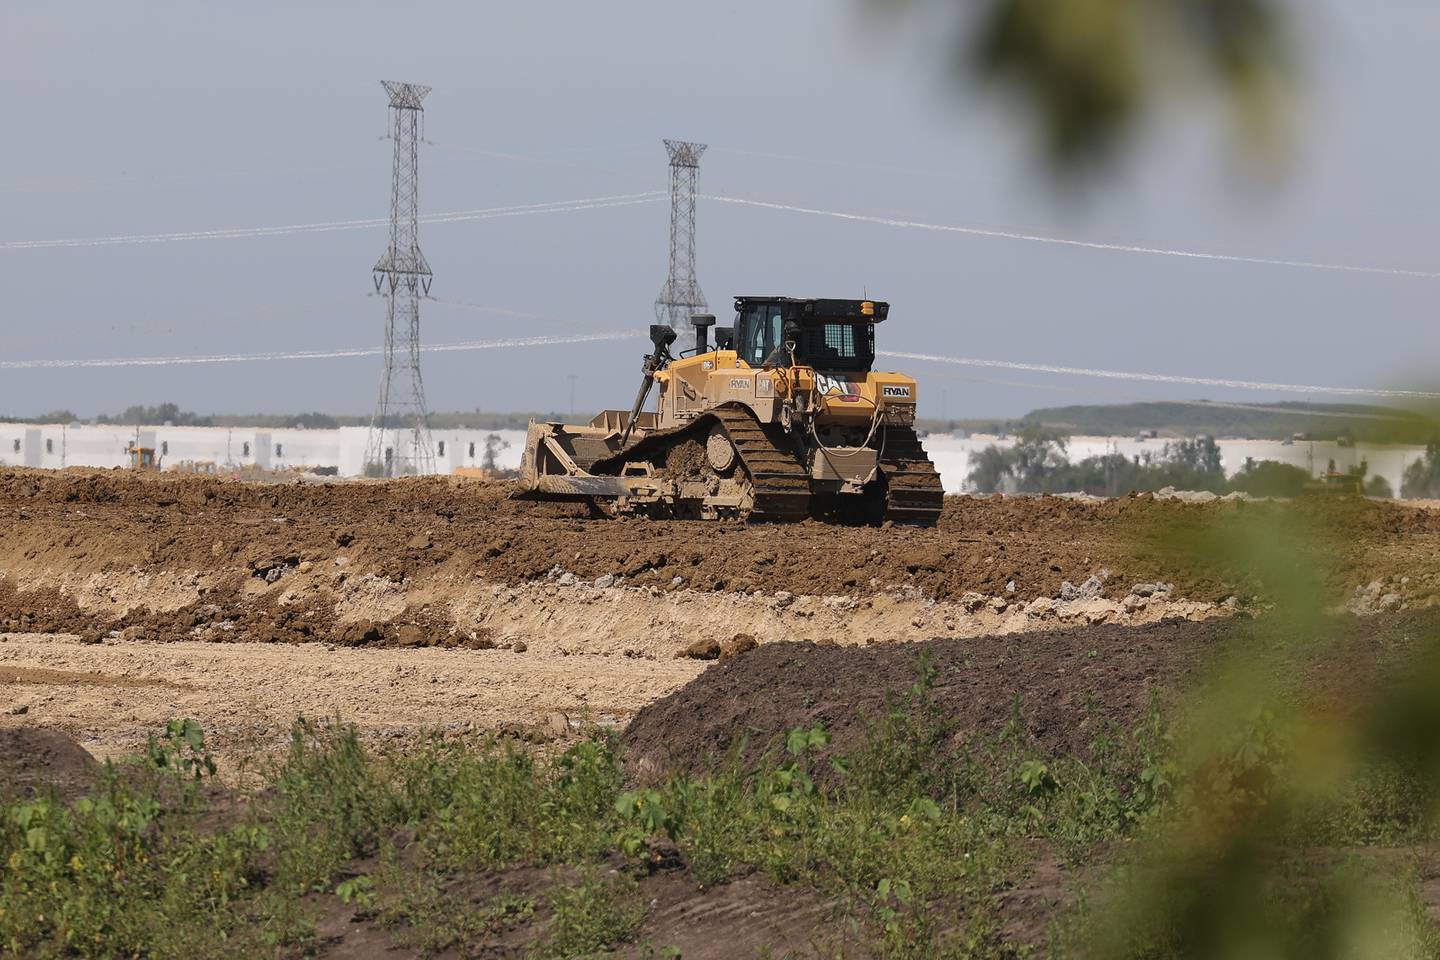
<point>1089,70</point>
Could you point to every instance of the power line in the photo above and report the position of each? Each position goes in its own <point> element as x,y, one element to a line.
<point>1068,242</point>
<point>630,199</point>
<point>462,346</point>
<point>235,233</point>
<point>470,345</point>
<point>1164,377</point>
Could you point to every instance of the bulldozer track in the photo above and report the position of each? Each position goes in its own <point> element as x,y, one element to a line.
<point>779,481</point>
<point>913,493</point>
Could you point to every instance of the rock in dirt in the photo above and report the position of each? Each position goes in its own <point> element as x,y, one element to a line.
<point>973,601</point>
<point>557,724</point>
<point>740,643</point>
<point>1089,590</point>
<point>360,633</point>
<point>702,650</point>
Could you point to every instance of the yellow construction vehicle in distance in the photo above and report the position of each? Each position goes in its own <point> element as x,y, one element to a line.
<point>143,458</point>
<point>783,418</point>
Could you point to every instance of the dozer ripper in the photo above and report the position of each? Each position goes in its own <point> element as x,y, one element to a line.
<point>783,418</point>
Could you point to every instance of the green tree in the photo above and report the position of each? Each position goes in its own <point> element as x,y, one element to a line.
<point>1029,466</point>
<point>1378,486</point>
<point>1268,478</point>
<point>1422,478</point>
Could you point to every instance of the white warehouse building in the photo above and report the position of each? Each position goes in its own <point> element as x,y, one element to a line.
<point>56,446</point>
<point>105,445</point>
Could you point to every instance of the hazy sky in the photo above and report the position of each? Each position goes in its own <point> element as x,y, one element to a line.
<point>125,119</point>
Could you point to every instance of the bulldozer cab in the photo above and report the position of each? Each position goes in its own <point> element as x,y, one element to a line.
<point>826,334</point>
<point>143,458</point>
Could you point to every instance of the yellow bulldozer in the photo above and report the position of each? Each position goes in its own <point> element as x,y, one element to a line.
<point>783,418</point>
<point>142,458</point>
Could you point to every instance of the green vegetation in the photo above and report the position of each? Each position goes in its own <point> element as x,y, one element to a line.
<point>468,846</point>
<point>1363,423</point>
<point>440,844</point>
<point>1037,463</point>
<point>1300,821</point>
<point>1422,478</point>
<point>1087,74</point>
<point>1267,478</point>
<point>1320,421</point>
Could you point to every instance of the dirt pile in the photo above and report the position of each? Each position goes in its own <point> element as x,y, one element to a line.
<point>1067,685</point>
<point>34,761</point>
<point>88,521</point>
<point>597,608</point>
<point>407,562</point>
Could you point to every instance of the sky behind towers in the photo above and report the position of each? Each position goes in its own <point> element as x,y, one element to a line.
<point>194,117</point>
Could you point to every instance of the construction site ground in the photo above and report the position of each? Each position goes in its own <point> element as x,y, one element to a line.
<point>128,599</point>
<point>411,606</point>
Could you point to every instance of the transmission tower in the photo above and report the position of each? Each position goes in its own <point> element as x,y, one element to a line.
<point>403,277</point>
<point>681,296</point>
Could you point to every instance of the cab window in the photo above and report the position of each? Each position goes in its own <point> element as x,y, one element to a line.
<point>838,345</point>
<point>760,330</point>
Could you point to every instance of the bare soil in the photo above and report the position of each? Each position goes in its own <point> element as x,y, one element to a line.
<point>1066,684</point>
<point>87,521</point>
<point>1063,686</point>
<point>112,696</point>
<point>126,599</point>
<point>35,761</point>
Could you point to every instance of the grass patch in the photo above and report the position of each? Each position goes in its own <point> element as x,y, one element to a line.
<point>485,847</point>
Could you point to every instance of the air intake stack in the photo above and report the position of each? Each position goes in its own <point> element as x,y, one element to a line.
<point>702,322</point>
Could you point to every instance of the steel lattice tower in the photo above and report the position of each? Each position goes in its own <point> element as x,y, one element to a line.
<point>403,277</point>
<point>681,296</point>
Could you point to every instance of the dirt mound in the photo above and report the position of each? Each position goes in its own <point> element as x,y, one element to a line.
<point>97,520</point>
<point>35,760</point>
<point>87,521</point>
<point>1067,684</point>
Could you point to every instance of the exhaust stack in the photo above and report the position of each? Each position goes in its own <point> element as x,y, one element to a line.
<point>702,322</point>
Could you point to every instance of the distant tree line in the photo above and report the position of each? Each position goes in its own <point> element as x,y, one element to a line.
<point>1038,463</point>
<point>1359,423</point>
<point>1421,480</point>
